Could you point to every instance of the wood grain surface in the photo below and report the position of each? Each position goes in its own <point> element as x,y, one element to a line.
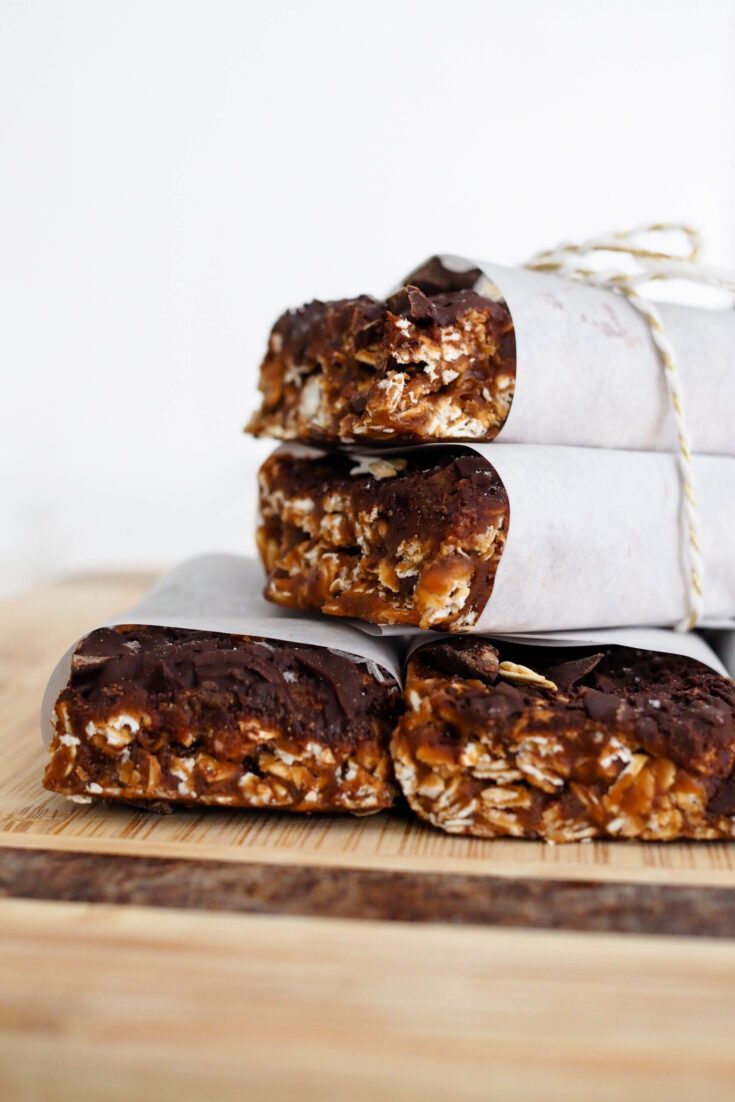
<point>316,890</point>
<point>126,1003</point>
<point>217,955</point>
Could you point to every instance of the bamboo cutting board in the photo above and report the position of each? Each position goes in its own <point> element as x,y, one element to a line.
<point>387,848</point>
<point>217,953</point>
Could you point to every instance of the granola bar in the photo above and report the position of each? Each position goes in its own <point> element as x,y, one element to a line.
<point>566,745</point>
<point>168,716</point>
<point>407,540</point>
<point>435,361</point>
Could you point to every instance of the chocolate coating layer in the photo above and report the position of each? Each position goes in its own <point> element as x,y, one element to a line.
<point>629,743</point>
<point>198,717</point>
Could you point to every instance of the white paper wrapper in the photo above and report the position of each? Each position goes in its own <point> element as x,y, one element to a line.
<point>221,592</point>
<point>596,539</point>
<point>659,640</point>
<point>588,373</point>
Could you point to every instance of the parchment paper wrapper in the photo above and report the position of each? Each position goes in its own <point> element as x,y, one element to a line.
<point>589,374</point>
<point>219,592</point>
<point>659,640</point>
<point>596,538</point>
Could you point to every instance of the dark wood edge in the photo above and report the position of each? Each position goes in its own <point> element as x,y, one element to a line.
<point>600,907</point>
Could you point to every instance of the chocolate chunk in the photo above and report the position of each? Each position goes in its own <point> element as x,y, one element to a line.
<point>723,801</point>
<point>471,465</point>
<point>507,347</point>
<point>464,657</point>
<point>505,701</point>
<point>340,674</point>
<point>411,303</point>
<point>600,706</point>
<point>567,674</point>
<point>86,663</point>
<point>433,277</point>
<point>369,336</point>
<point>646,731</point>
<point>439,309</point>
<point>97,649</point>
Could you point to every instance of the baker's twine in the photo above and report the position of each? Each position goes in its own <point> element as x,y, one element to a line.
<point>649,265</point>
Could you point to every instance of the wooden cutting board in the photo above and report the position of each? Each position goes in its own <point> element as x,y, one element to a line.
<point>220,950</point>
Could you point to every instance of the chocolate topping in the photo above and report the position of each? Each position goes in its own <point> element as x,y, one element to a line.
<point>433,277</point>
<point>433,361</point>
<point>439,309</point>
<point>324,328</point>
<point>222,674</point>
<point>672,706</point>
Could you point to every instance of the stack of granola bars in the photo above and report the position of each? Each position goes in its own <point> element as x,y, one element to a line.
<point>473,517</point>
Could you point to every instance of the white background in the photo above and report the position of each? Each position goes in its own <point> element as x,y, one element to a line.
<point>173,174</point>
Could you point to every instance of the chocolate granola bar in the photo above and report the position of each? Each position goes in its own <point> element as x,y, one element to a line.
<point>500,739</point>
<point>435,361</point>
<point>169,716</point>
<point>406,540</point>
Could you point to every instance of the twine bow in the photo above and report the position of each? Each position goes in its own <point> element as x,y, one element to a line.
<point>649,265</point>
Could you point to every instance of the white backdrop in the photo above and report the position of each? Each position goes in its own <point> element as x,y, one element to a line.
<point>173,174</point>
